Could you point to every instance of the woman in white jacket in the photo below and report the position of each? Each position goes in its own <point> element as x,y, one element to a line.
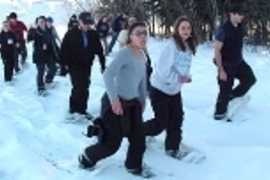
<point>170,72</point>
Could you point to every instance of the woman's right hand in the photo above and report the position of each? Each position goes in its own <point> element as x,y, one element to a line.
<point>117,107</point>
<point>222,75</point>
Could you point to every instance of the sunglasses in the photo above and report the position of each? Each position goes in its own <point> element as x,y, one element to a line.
<point>140,33</point>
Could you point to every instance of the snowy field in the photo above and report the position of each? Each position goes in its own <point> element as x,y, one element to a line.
<point>35,143</point>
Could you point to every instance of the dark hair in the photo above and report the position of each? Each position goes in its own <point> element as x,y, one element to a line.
<point>13,15</point>
<point>192,41</point>
<point>132,27</point>
<point>40,17</point>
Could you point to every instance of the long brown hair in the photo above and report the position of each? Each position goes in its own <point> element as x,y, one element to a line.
<point>192,41</point>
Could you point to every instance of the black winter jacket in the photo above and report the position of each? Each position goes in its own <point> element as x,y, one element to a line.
<point>8,42</point>
<point>74,54</point>
<point>43,45</point>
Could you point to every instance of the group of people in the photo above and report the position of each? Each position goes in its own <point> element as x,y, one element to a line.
<point>13,39</point>
<point>13,46</point>
<point>123,103</point>
<point>126,77</point>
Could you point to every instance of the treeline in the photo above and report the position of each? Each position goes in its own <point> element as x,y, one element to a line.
<point>206,15</point>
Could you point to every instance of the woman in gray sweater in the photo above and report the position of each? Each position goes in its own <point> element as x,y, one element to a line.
<point>123,105</point>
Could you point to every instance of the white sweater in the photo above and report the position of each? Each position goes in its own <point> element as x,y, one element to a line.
<point>123,37</point>
<point>168,69</point>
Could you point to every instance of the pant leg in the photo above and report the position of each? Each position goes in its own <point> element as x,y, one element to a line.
<point>246,79</point>
<point>111,140</point>
<point>51,65</point>
<point>9,66</point>
<point>112,43</point>
<point>105,43</point>
<point>160,105</point>
<point>225,90</point>
<point>40,76</point>
<point>136,140</point>
<point>23,52</point>
<point>174,128</point>
<point>80,80</point>
<point>16,61</point>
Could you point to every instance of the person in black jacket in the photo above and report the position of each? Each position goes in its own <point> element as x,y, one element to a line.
<point>77,53</point>
<point>230,62</point>
<point>117,26</point>
<point>8,42</point>
<point>43,54</point>
<point>73,22</point>
<point>103,30</point>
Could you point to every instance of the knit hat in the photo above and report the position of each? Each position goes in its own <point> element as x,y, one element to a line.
<point>49,19</point>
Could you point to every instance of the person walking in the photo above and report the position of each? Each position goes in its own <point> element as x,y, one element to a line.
<point>123,105</point>
<point>77,54</point>
<point>43,54</point>
<point>170,72</point>
<point>117,26</point>
<point>229,61</point>
<point>19,28</point>
<point>8,45</point>
<point>103,30</point>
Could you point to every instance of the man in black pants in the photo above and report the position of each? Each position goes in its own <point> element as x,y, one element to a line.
<point>230,62</point>
<point>78,51</point>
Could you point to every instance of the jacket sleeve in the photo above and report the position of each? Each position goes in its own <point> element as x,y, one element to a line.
<point>99,50</point>
<point>65,49</point>
<point>164,65</point>
<point>55,34</point>
<point>31,35</point>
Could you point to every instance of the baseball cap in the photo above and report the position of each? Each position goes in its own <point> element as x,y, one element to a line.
<point>49,19</point>
<point>85,17</point>
<point>237,8</point>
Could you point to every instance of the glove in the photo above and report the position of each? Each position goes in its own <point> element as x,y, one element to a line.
<point>103,69</point>
<point>63,71</point>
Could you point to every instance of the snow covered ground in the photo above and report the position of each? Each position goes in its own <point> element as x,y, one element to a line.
<point>35,143</point>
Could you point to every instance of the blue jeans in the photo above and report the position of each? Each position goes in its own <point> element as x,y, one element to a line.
<point>113,41</point>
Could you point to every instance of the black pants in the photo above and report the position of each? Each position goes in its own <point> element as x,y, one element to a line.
<point>51,70</point>
<point>168,113</point>
<point>80,80</point>
<point>113,135</point>
<point>21,51</point>
<point>8,68</point>
<point>246,78</point>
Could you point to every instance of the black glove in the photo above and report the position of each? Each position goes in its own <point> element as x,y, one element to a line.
<point>63,71</point>
<point>103,69</point>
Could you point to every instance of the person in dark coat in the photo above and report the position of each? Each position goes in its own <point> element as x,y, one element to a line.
<point>117,26</point>
<point>103,30</point>
<point>73,22</point>
<point>56,39</point>
<point>78,51</point>
<point>8,44</point>
<point>43,54</point>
